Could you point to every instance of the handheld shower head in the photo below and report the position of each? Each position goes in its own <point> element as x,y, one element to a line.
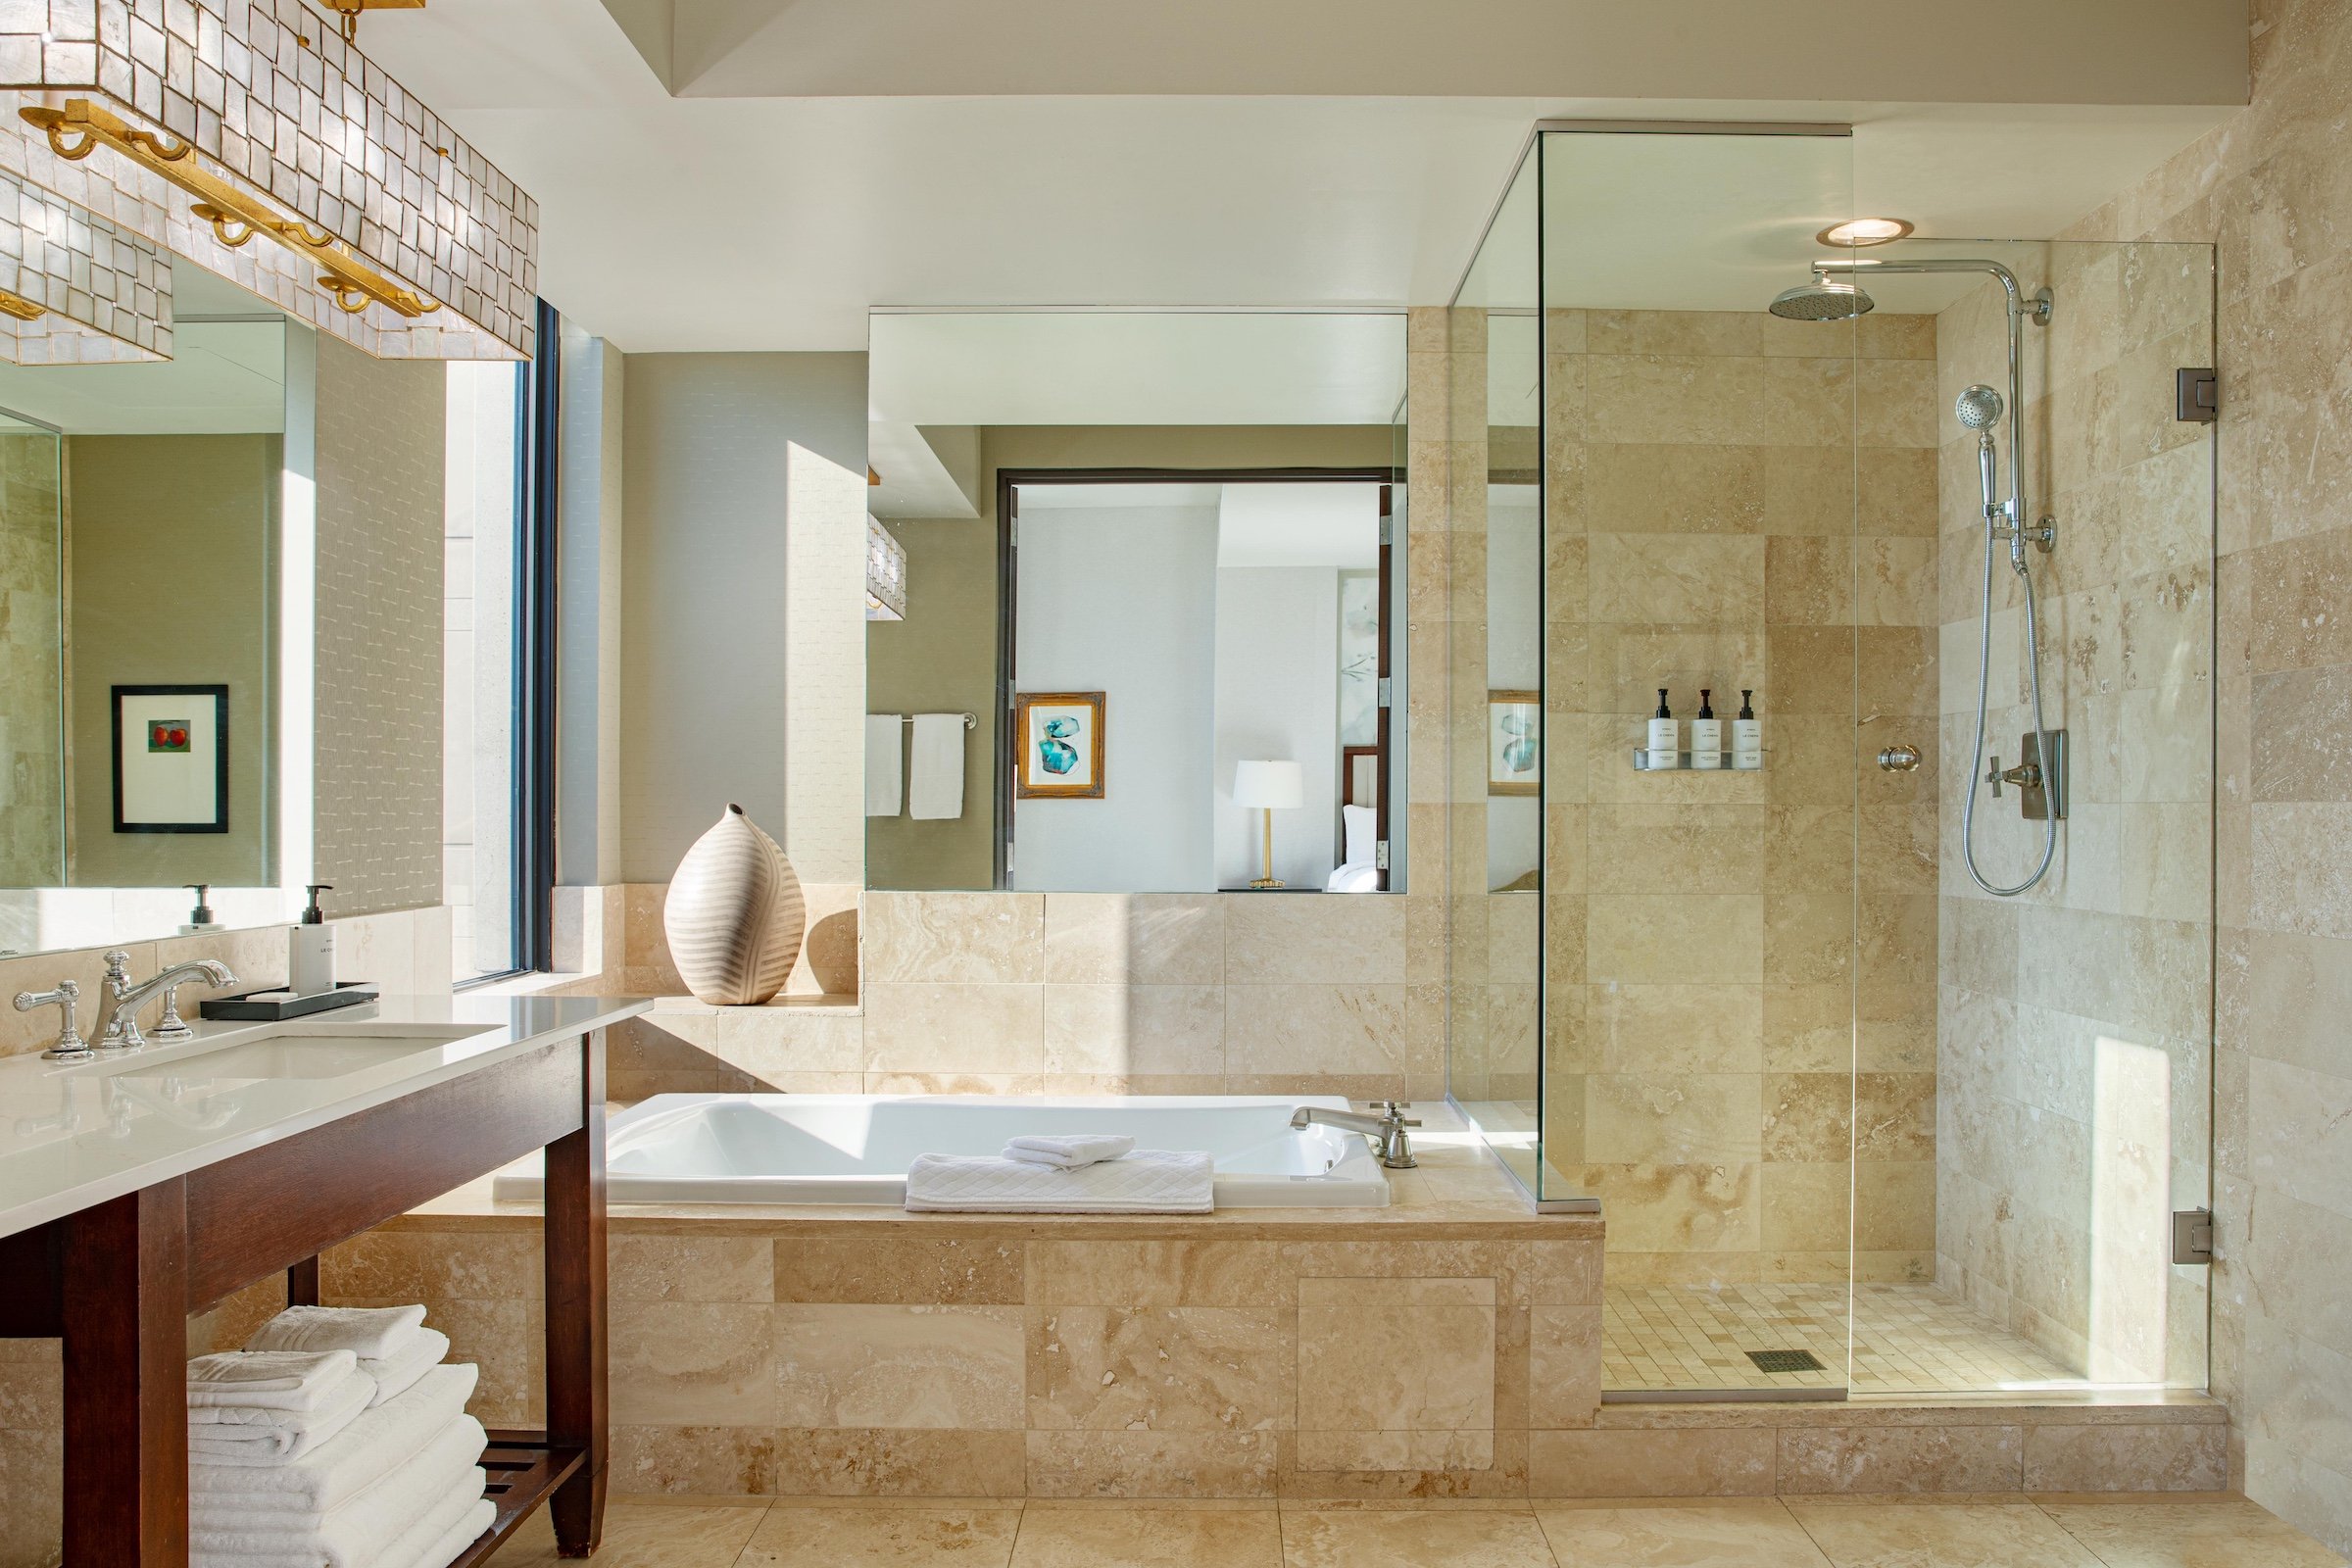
<point>1821,299</point>
<point>1979,408</point>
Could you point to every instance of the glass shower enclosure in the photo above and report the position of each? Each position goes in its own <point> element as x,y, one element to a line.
<point>1864,1114</point>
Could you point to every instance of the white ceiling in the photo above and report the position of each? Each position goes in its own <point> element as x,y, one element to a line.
<point>767,222</point>
<point>1300,525</point>
<point>222,377</point>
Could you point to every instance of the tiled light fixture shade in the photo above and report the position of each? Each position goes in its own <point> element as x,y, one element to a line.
<point>272,98</point>
<point>885,574</point>
<point>106,296</point>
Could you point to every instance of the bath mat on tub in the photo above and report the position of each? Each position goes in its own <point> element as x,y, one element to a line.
<point>1150,1181</point>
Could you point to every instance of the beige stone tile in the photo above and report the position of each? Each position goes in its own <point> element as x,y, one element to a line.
<point>952,1271</point>
<point>2220,1533</point>
<point>1159,1368</point>
<point>1563,1365</point>
<point>1673,1118</point>
<point>1715,1535</point>
<point>1313,941</point>
<point>645,1536</point>
<point>1863,1534</point>
<point>894,1462</point>
<point>1675,849</point>
<point>1676,1028</point>
<point>1675,489</point>
<point>1396,1354</point>
<point>2117,1458</point>
<point>910,1536</point>
<point>955,1028</point>
<point>1660,1463</point>
<point>693,1461</point>
<point>1192,1273</point>
<point>1338,1030</point>
<point>1954,1458</point>
<point>1123,938</point>
<point>1068,1537</point>
<point>1470,1538</point>
<point>689,1268</point>
<point>941,1368</point>
<point>1151,1465</point>
<point>1637,938</point>
<point>1135,1029</point>
<point>678,1363</point>
<point>965,938</point>
<point>1650,578</point>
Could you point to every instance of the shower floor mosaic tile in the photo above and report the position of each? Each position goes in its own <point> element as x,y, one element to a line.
<point>1908,1338</point>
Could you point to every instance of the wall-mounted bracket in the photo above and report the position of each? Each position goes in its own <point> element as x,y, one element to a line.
<point>2193,1235</point>
<point>2196,395</point>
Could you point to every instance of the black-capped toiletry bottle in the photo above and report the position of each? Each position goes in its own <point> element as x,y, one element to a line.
<point>1748,734</point>
<point>1707,733</point>
<point>1665,738</point>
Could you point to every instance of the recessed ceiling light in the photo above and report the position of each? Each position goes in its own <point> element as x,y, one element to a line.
<point>1865,231</point>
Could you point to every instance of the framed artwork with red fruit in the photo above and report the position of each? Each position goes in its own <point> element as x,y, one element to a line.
<point>170,759</point>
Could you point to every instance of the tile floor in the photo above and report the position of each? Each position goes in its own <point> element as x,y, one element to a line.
<point>1908,1338</point>
<point>1792,1533</point>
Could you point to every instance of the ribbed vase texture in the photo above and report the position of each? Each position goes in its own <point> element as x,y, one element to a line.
<point>734,915</point>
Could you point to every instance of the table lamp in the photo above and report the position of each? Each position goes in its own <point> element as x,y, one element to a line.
<point>1269,787</point>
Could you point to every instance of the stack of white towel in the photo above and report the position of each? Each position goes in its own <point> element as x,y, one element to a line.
<point>335,1439</point>
<point>1086,1174</point>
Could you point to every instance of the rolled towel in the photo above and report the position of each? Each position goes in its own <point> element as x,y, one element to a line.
<point>268,1380</point>
<point>230,1434</point>
<point>395,1375</point>
<point>371,1333</point>
<point>347,1463</point>
<point>1069,1153</point>
<point>1150,1181</point>
<point>448,1526</point>
<point>354,1534</point>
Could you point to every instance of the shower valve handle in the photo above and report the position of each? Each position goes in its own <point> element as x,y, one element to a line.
<point>2024,775</point>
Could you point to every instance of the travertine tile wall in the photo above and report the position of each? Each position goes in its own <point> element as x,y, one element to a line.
<point>2270,189</point>
<point>1742,965</point>
<point>2073,1020</point>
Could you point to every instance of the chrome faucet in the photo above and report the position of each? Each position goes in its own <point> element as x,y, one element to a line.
<point>119,1011</point>
<point>69,1045</point>
<point>1386,1131</point>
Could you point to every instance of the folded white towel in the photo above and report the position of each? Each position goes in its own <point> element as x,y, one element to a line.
<point>268,1380</point>
<point>447,1527</point>
<point>371,1333</point>
<point>352,1535</point>
<point>1069,1153</point>
<point>422,1477</point>
<point>395,1375</point>
<point>347,1463</point>
<point>1150,1181</point>
<point>885,763</point>
<point>243,1435</point>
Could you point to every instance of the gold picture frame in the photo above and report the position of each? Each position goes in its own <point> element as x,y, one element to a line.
<point>1058,746</point>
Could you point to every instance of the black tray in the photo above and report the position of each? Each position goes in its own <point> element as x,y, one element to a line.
<point>275,1006</point>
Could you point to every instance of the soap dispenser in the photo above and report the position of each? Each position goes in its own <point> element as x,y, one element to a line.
<point>1707,733</point>
<point>311,949</point>
<point>1748,734</point>
<point>200,918</point>
<point>1665,739</point>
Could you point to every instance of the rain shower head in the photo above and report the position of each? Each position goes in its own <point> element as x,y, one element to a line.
<point>1979,408</point>
<point>1821,299</point>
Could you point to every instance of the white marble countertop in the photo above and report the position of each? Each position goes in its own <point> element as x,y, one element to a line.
<point>76,1133</point>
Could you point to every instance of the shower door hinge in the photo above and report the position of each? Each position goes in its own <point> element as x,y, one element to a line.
<point>1380,855</point>
<point>2193,1235</point>
<point>1388,691</point>
<point>1388,528</point>
<point>2196,395</point>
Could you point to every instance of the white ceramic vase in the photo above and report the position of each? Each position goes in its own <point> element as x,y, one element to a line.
<point>734,914</point>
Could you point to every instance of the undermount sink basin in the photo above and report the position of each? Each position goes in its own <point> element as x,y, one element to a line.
<point>290,1053</point>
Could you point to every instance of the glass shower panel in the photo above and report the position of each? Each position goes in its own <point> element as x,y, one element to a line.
<point>1701,459</point>
<point>1494,673</point>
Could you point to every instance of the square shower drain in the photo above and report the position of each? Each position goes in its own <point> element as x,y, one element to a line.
<point>1787,1361</point>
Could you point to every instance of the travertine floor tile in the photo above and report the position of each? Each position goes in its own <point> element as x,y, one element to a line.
<point>883,1538</point>
<point>2236,1533</point>
<point>1149,1538</point>
<point>1729,1534</point>
<point>1401,1538</point>
<point>643,1535</point>
<point>1862,1533</point>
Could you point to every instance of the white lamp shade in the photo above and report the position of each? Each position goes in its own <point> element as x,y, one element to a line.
<point>1275,786</point>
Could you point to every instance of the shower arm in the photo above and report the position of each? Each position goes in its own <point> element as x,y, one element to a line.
<point>2019,308</point>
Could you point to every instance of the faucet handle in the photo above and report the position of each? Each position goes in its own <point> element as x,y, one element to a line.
<point>1396,1108</point>
<point>69,1046</point>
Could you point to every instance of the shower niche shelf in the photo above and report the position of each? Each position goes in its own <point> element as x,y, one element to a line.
<point>1650,761</point>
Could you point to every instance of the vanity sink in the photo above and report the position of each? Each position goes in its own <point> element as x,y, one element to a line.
<point>293,1052</point>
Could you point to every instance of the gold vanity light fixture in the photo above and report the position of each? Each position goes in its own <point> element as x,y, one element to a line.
<point>82,127</point>
<point>75,288</point>
<point>1856,232</point>
<point>348,10</point>
<point>22,309</point>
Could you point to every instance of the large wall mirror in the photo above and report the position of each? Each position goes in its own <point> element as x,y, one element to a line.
<point>144,549</point>
<point>1136,603</point>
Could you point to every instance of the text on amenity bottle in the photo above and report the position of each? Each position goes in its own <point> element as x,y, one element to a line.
<point>1748,734</point>
<point>1664,735</point>
<point>1707,733</point>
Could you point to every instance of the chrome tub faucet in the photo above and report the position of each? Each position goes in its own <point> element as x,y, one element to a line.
<point>1387,1130</point>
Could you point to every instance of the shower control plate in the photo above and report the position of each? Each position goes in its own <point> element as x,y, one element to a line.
<point>2046,797</point>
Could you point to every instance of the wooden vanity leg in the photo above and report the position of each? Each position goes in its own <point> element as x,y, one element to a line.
<point>577,1377</point>
<point>302,1283</point>
<point>125,1269</point>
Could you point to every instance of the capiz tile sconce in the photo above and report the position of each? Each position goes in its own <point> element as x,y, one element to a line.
<point>75,289</point>
<point>203,126</point>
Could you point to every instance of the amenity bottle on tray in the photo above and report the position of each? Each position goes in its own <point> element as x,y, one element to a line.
<point>1707,733</point>
<point>1665,739</point>
<point>1748,734</point>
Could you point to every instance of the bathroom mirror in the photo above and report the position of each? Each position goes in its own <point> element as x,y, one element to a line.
<point>1136,600</point>
<point>140,670</point>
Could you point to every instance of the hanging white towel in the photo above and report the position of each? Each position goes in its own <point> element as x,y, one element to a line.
<point>883,776</point>
<point>935,788</point>
<point>1069,1153</point>
<point>1150,1181</point>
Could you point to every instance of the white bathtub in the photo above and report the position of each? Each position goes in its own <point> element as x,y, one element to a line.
<point>854,1148</point>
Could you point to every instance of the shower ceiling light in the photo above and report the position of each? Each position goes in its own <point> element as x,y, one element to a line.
<point>1855,231</point>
